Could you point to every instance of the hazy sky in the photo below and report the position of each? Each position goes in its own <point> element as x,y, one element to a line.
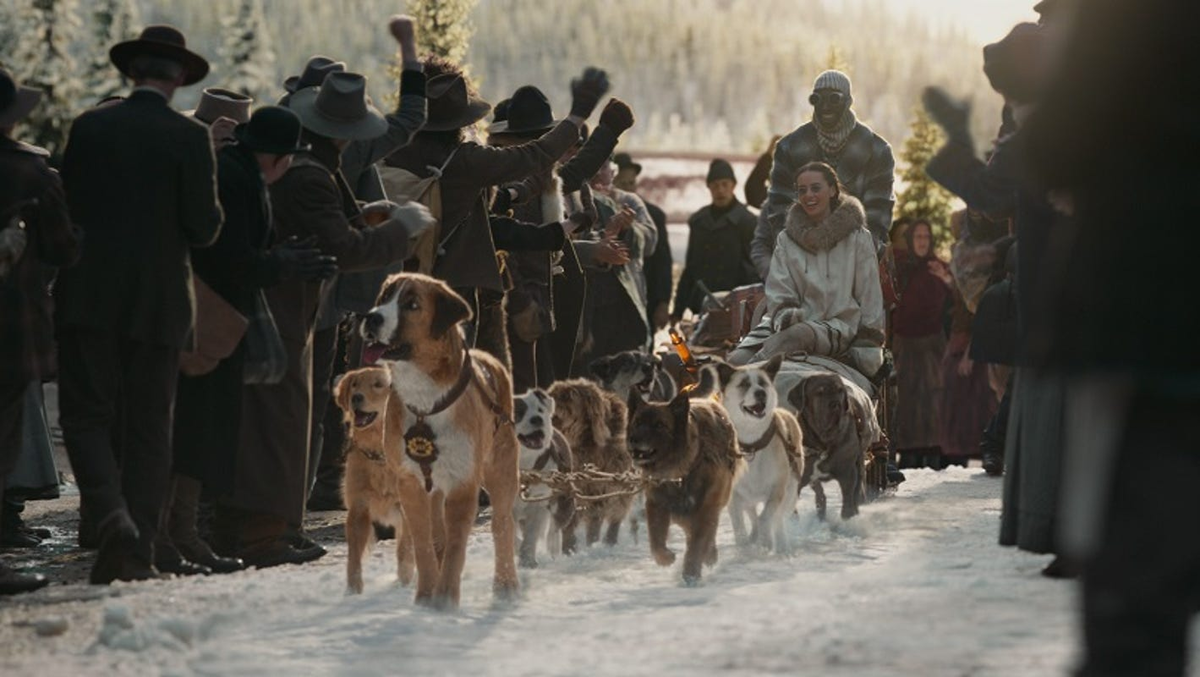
<point>985,20</point>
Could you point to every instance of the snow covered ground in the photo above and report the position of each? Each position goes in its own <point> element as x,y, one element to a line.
<point>914,586</point>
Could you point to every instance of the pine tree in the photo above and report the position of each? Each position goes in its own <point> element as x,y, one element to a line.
<point>444,29</point>
<point>113,21</point>
<point>246,52</point>
<point>923,197</point>
<point>45,32</point>
<point>835,60</point>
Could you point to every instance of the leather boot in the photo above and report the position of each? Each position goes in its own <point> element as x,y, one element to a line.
<point>263,542</point>
<point>12,582</point>
<point>181,524</point>
<point>117,559</point>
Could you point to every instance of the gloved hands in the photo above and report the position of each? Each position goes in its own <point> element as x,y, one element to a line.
<point>503,201</point>
<point>952,116</point>
<point>301,260</point>
<point>587,90</point>
<point>617,116</point>
<point>415,218</point>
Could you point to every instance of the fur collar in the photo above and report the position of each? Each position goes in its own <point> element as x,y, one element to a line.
<point>848,218</point>
<point>552,202</point>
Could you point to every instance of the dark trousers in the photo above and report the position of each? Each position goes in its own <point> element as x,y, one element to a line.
<point>114,388</point>
<point>994,435</point>
<point>1143,584</point>
<point>532,364</point>
<point>325,355</point>
<point>329,432</point>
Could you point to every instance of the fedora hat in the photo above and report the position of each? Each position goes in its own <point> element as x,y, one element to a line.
<point>272,129</point>
<point>313,74</point>
<point>15,101</point>
<point>162,41</point>
<point>339,109</point>
<point>221,103</point>
<point>451,106</point>
<point>528,112</point>
<point>625,161</point>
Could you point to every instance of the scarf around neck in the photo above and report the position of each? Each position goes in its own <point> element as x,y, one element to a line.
<point>834,139</point>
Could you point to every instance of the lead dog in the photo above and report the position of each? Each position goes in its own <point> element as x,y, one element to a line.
<point>371,484</point>
<point>695,442</point>
<point>543,449</point>
<point>453,419</point>
<point>770,440</point>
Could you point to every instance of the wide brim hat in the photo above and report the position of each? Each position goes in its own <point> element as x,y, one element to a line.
<point>162,41</point>
<point>221,103</point>
<point>625,161</point>
<point>272,129</point>
<point>339,109</point>
<point>529,112</point>
<point>314,73</point>
<point>16,101</point>
<point>451,106</point>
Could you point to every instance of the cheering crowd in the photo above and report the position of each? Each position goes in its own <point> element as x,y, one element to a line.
<point>191,280</point>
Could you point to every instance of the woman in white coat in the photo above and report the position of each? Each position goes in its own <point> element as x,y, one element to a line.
<point>823,292</point>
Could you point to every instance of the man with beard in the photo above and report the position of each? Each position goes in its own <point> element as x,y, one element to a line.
<point>862,159</point>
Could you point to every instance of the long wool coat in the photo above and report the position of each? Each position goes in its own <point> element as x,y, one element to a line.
<point>718,254</point>
<point>832,279</point>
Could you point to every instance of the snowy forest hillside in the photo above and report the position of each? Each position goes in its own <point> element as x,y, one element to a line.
<point>704,75</point>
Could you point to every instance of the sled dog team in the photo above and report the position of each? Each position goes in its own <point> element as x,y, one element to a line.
<point>436,421</point>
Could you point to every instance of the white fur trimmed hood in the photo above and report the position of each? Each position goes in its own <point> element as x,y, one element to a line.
<point>848,217</point>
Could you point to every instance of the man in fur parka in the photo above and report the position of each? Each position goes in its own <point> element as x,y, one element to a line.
<point>862,159</point>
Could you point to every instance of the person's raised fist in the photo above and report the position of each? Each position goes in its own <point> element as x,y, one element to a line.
<point>617,116</point>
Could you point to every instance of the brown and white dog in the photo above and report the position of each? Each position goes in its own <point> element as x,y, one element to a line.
<point>543,449</point>
<point>371,484</point>
<point>770,440</point>
<point>693,441</point>
<point>452,419</point>
<point>593,421</point>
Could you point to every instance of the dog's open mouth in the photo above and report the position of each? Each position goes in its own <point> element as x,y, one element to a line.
<point>534,440</point>
<point>374,352</point>
<point>363,419</point>
<point>643,455</point>
<point>757,410</point>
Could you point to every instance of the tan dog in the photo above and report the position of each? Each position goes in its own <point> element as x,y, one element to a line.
<point>452,420</point>
<point>371,485</point>
<point>593,421</point>
<point>693,441</point>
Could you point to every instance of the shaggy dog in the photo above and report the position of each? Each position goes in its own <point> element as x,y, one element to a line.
<point>692,441</point>
<point>631,370</point>
<point>835,443</point>
<point>543,449</point>
<point>770,440</point>
<point>452,419</point>
<point>371,482</point>
<point>593,421</point>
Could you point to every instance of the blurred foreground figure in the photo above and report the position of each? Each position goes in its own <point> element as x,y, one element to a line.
<point>1121,324</point>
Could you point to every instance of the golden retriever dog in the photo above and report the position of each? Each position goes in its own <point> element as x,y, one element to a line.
<point>693,441</point>
<point>593,421</point>
<point>371,484</point>
<point>450,422</point>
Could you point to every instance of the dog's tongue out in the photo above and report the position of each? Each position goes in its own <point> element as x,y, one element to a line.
<point>372,352</point>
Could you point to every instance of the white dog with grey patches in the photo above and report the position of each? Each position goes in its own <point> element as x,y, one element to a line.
<point>543,450</point>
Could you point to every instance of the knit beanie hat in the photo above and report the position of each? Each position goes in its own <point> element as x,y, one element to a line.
<point>835,80</point>
<point>720,169</point>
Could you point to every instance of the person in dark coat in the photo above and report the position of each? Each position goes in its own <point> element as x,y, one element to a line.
<point>861,158</point>
<point>311,200</point>
<point>466,255</point>
<point>659,265</point>
<point>1035,431</point>
<point>140,184</point>
<point>1120,322</point>
<point>719,238</point>
<point>758,182</point>
<point>35,236</point>
<point>208,408</point>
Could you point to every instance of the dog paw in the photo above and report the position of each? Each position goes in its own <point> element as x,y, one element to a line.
<point>664,558</point>
<point>527,562</point>
<point>506,591</point>
<point>354,587</point>
<point>691,580</point>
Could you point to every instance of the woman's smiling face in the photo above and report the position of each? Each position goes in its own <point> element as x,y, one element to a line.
<point>813,193</point>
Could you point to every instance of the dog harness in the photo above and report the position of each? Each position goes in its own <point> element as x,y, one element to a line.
<point>420,442</point>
